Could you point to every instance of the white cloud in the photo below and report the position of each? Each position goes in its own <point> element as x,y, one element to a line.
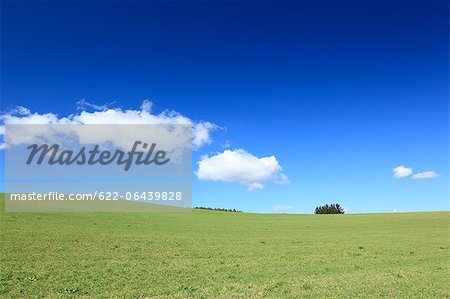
<point>202,133</point>
<point>282,179</point>
<point>242,167</point>
<point>20,110</point>
<point>201,130</point>
<point>402,171</point>
<point>84,105</point>
<point>425,175</point>
<point>283,208</point>
<point>226,144</point>
<point>255,186</point>
<point>146,106</point>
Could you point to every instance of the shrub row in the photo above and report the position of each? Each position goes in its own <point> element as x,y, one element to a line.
<point>218,209</point>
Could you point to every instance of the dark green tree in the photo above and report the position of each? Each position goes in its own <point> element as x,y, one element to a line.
<point>329,209</point>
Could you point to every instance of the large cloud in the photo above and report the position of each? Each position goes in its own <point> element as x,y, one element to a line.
<point>242,167</point>
<point>201,130</point>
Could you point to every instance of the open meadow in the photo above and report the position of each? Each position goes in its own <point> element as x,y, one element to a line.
<point>210,254</point>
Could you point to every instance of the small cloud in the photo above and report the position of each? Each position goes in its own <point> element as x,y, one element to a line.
<point>202,133</point>
<point>20,110</point>
<point>402,172</point>
<point>83,105</point>
<point>425,175</point>
<point>283,208</point>
<point>255,186</point>
<point>146,106</point>
<point>397,211</point>
<point>282,179</point>
<point>227,144</point>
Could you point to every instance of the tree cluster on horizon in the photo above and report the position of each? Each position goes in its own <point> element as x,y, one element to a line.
<point>329,209</point>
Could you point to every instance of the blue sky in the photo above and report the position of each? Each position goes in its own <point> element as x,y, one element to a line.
<point>341,92</point>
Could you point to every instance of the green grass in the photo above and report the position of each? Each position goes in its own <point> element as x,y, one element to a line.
<point>207,254</point>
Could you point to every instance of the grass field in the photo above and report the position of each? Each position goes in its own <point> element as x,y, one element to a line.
<point>207,254</point>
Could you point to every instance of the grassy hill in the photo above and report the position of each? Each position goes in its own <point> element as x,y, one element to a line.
<point>205,254</point>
